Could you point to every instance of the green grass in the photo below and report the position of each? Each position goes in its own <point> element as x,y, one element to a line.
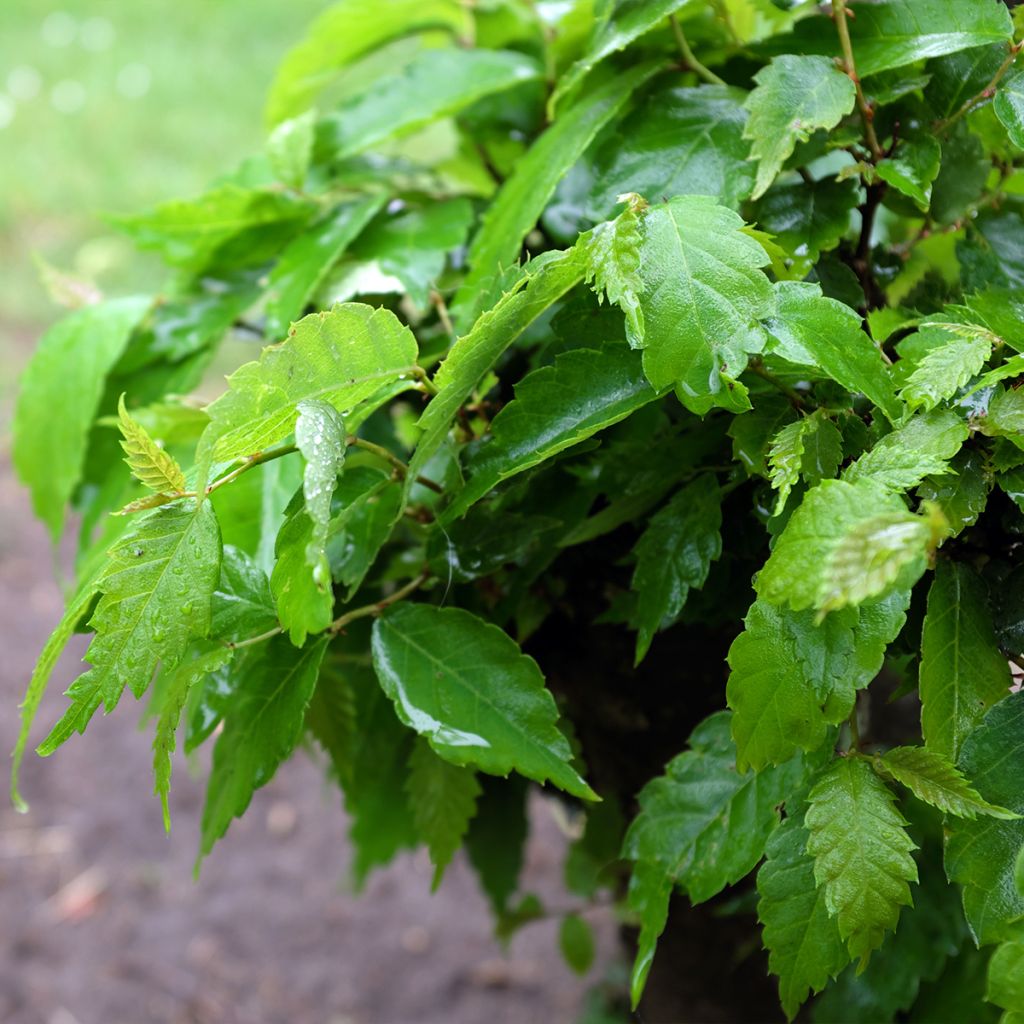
<point>208,64</point>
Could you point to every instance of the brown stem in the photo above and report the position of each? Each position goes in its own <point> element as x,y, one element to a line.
<point>375,609</point>
<point>867,112</point>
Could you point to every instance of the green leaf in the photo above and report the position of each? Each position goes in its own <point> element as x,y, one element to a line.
<point>811,445</point>
<point>342,357</point>
<point>800,933</point>
<point>703,290</point>
<point>465,686</point>
<point>344,33</point>
<point>290,149</point>
<point>792,678</point>
<point>156,593</point>
<point>845,544</point>
<point>962,672</point>
<point>443,801</point>
<point>149,463</point>
<point>522,198</point>
<point>415,95</point>
<point>302,593</point>
<point>795,96</point>
<point>320,436</point>
<point>261,728</point>
<point>306,261</point>
<point>243,605</point>
<point>1005,415</point>
<point>1006,976</point>
<point>177,689</point>
<point>933,778</point>
<point>861,853</point>
<point>703,822</point>
<point>650,889</point>
<point>67,373</point>
<point>675,553</point>
<point>945,369</point>
<point>555,407</point>
<point>332,719</point>
<point>981,854</point>
<point>961,492</point>
<point>912,168</point>
<point>496,838</point>
<point>576,940</point>
<point>808,219</point>
<point>921,447</point>
<point>1009,107</point>
<point>612,252</point>
<point>819,332</point>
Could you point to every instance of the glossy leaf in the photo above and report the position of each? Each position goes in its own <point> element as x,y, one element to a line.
<point>808,220</point>
<point>946,369</point>
<point>320,436</point>
<point>1009,107</point>
<point>613,265</point>
<point>1006,977</point>
<point>912,168</point>
<point>810,446</point>
<point>243,605</point>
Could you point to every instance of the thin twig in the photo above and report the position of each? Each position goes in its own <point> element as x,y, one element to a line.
<point>756,366</point>
<point>688,55</point>
<point>400,467</point>
<point>986,94</point>
<point>234,645</point>
<point>375,609</point>
<point>250,460</point>
<point>867,112</point>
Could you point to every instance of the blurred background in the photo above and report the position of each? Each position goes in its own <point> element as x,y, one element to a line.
<point>109,106</point>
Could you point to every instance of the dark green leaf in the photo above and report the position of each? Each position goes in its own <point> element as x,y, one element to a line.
<point>912,168</point>
<point>576,940</point>
<point>807,220</point>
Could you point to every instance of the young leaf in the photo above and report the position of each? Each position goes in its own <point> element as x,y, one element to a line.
<point>702,822</point>
<point>149,463</point>
<point>576,940</point>
<point>465,686</point>
<point>675,553</point>
<point>555,407</point>
<point>801,935</point>
<point>962,672</point>
<point>342,358</point>
<point>861,853</point>
<point>261,728</point>
<point>703,290</point>
<point>302,593</point>
<point>933,777</point>
<point>320,436</point>
<point>156,594</point>
<point>612,251</point>
<point>811,439</point>
<point>795,96</point>
<point>946,369</point>
<point>443,801</point>
<point>60,393</point>
<point>981,854</point>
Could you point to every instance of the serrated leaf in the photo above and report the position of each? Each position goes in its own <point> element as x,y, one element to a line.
<point>413,96</point>
<point>650,889</point>
<point>944,370</point>
<point>912,168</point>
<point>66,374</point>
<point>576,941</point>
<point>703,822</point>
<point>788,450</point>
<point>522,198</point>
<point>464,685</point>
<point>149,463</point>
<point>261,728</point>
<point>861,852</point>
<point>795,96</point>
<point>981,855</point>
<point>443,801</point>
<point>306,261</point>
<point>815,331</point>
<point>791,678</point>
<point>302,593</point>
<point>331,718</point>
<point>845,544</point>
<point>496,840</point>
<point>921,447</point>
<point>243,605</point>
<point>341,357</point>
<point>674,554</point>
<point>1006,977</point>
<point>555,407</point>
<point>320,436</point>
<point>1009,107</point>
<point>808,219</point>
<point>156,592</point>
<point>961,493</point>
<point>703,290</point>
<point>802,938</point>
<point>933,778</point>
<point>612,253</point>
<point>962,672</point>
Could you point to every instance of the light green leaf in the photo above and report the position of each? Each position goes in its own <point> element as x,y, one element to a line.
<point>912,168</point>
<point>922,447</point>
<point>302,593</point>
<point>320,436</point>
<point>650,889</point>
<point>156,593</point>
<point>306,261</point>
<point>67,373</point>
<point>416,95</point>
<point>176,692</point>
<point>1005,415</point>
<point>465,686</point>
<point>576,940</point>
<point>703,290</point>
<point>1009,107</point>
<point>704,823</point>
<point>801,935</point>
<point>962,672</point>
<point>555,407</point>
<point>1006,977</point>
<point>343,34</point>
<point>795,96</point>
<point>342,357</point>
<point>612,252</point>
<point>443,800</point>
<point>243,605</point>
<point>675,553</point>
<point>149,463</point>
<point>810,445</point>
<point>261,728</point>
<point>981,854</point>
<point>844,544</point>
<point>290,149</point>
<point>933,777</point>
<point>815,331</point>
<point>945,369</point>
<point>525,193</point>
<point>861,852</point>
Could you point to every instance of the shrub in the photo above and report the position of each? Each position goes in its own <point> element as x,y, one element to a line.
<point>683,374</point>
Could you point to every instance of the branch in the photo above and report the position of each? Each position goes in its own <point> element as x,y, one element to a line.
<point>986,94</point>
<point>867,112</point>
<point>400,467</point>
<point>375,609</point>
